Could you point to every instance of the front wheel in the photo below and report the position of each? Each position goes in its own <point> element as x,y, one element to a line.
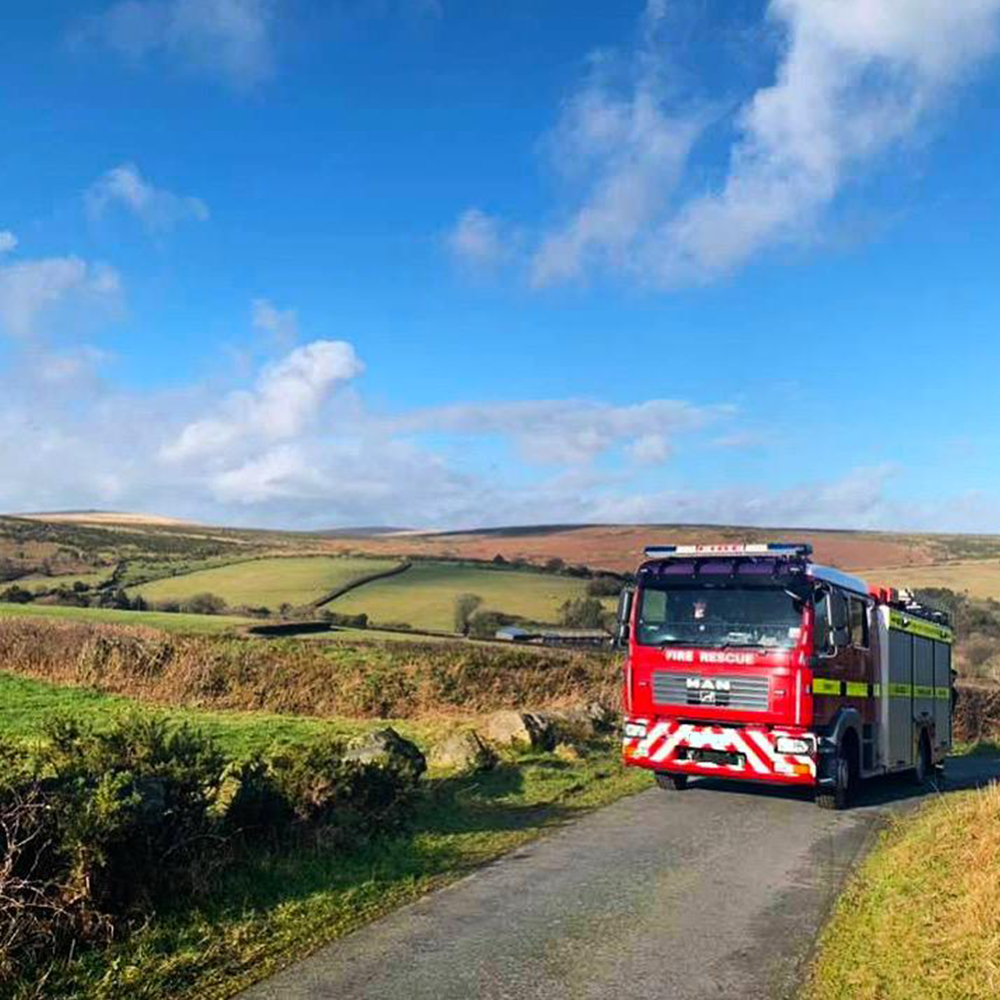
<point>671,782</point>
<point>839,795</point>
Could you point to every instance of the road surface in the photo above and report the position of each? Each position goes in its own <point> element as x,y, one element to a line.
<point>712,893</point>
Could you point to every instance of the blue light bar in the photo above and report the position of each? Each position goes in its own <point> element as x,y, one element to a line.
<point>729,549</point>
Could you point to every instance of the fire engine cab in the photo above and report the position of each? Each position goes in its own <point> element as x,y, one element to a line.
<point>753,662</point>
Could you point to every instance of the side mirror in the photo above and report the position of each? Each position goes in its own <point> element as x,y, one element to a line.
<point>624,631</point>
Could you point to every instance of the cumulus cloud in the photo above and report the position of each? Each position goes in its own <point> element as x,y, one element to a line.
<point>34,291</point>
<point>280,325</point>
<point>157,209</point>
<point>8,241</point>
<point>286,399</point>
<point>229,39</point>
<point>853,81</point>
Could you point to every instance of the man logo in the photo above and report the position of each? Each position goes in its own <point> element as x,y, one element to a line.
<point>708,689</point>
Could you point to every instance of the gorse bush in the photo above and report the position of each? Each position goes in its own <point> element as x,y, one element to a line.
<point>101,829</point>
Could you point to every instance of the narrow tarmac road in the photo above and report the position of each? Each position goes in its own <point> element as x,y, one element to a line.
<point>712,893</point>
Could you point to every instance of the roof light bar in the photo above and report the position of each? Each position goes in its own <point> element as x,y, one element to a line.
<point>729,549</point>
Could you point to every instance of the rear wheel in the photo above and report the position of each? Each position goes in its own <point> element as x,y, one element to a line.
<point>671,782</point>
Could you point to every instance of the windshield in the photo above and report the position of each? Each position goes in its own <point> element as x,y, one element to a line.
<point>718,616</point>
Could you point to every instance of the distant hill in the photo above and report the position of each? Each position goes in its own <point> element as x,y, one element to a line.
<point>101,517</point>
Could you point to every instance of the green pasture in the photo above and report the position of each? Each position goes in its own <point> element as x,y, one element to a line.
<point>424,596</point>
<point>268,582</point>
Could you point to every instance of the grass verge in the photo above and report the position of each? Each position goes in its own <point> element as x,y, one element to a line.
<point>279,905</point>
<point>921,918</point>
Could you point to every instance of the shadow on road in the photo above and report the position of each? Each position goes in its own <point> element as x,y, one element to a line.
<point>972,770</point>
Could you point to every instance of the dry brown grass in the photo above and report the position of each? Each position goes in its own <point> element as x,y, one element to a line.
<point>398,679</point>
<point>921,919</point>
<point>619,547</point>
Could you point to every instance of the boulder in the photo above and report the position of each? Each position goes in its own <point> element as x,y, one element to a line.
<point>527,729</point>
<point>463,752</point>
<point>386,748</point>
<point>585,720</point>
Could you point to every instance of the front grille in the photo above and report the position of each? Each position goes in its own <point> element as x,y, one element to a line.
<point>745,694</point>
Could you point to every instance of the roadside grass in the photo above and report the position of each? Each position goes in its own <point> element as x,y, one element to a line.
<point>295,580</point>
<point>424,596</point>
<point>921,917</point>
<point>278,905</point>
<point>180,623</point>
<point>26,704</point>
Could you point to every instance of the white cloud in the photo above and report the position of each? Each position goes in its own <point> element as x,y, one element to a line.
<point>34,291</point>
<point>8,241</point>
<point>567,432</point>
<point>477,239</point>
<point>229,39</point>
<point>283,454</point>
<point>157,209</point>
<point>626,151</point>
<point>287,398</point>
<point>854,81</point>
<point>281,325</point>
<point>857,77</point>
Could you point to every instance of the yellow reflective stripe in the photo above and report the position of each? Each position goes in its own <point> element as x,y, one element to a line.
<point>856,689</point>
<point>822,685</point>
<point>943,693</point>
<point>900,690</point>
<point>877,690</point>
<point>923,691</point>
<point>916,626</point>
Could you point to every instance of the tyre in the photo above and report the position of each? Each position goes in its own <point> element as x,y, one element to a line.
<point>922,771</point>
<point>671,782</point>
<point>839,796</point>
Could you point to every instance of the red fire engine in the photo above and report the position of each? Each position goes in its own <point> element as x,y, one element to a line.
<point>753,662</point>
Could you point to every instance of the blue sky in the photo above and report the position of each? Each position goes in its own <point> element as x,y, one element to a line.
<point>430,263</point>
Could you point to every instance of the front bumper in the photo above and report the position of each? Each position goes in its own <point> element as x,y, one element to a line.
<point>742,752</point>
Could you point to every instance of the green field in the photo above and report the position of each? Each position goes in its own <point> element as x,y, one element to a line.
<point>188,624</point>
<point>26,704</point>
<point>424,596</point>
<point>266,582</point>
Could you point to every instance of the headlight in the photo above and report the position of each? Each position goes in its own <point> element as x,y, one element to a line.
<point>635,730</point>
<point>793,744</point>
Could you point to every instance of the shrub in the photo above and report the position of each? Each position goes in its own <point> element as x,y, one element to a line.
<point>99,829</point>
<point>465,606</point>
<point>604,586</point>
<point>484,624</point>
<point>583,612</point>
<point>17,595</point>
<point>205,604</point>
<point>345,621</point>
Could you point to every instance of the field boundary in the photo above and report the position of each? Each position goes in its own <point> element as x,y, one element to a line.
<point>360,582</point>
